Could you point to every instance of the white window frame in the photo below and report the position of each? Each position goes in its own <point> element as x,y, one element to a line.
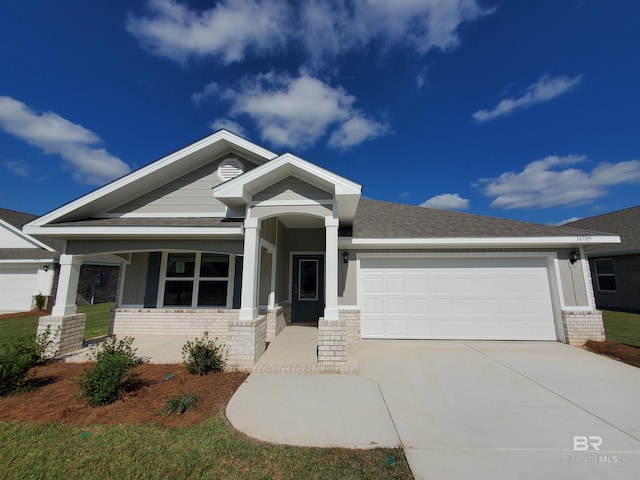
<point>196,279</point>
<point>598,274</point>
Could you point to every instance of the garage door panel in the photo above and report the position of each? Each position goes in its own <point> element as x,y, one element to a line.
<point>467,298</point>
<point>17,287</point>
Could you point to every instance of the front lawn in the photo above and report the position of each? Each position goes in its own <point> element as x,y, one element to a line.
<point>622,327</point>
<point>19,328</point>
<point>212,449</point>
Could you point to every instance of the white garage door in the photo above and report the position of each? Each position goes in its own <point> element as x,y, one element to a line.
<point>456,298</point>
<point>17,286</point>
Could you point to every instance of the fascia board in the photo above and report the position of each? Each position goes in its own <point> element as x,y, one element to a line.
<point>69,232</point>
<point>476,242</point>
<point>25,236</point>
<point>30,260</point>
<point>163,162</point>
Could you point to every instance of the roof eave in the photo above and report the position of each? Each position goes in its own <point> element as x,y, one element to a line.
<point>483,242</point>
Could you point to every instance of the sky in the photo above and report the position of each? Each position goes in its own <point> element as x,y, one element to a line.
<point>527,110</point>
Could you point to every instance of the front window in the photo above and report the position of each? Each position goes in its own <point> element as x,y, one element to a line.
<point>196,280</point>
<point>605,275</point>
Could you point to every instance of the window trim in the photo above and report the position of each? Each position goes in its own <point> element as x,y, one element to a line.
<point>598,274</point>
<point>196,279</point>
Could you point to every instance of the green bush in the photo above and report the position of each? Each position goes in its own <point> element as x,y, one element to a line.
<point>203,356</point>
<point>18,358</point>
<point>112,373</point>
<point>180,404</point>
<point>40,301</point>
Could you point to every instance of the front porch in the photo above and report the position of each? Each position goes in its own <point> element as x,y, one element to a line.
<point>295,350</point>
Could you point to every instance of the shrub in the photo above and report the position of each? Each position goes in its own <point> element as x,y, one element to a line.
<point>40,301</point>
<point>180,404</point>
<point>18,358</point>
<point>102,383</point>
<point>203,356</point>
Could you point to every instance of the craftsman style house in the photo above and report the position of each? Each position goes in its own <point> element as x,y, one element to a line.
<point>227,237</point>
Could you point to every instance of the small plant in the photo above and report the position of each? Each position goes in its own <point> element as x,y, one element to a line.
<point>102,383</point>
<point>180,404</point>
<point>203,356</point>
<point>40,301</point>
<point>18,358</point>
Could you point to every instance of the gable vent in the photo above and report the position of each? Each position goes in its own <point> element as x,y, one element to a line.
<point>230,168</point>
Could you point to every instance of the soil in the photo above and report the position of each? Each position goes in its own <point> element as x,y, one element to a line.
<point>32,313</point>
<point>618,351</point>
<point>56,396</point>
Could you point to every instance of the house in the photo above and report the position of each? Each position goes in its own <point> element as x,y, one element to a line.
<point>615,269</point>
<point>228,237</point>
<point>29,267</point>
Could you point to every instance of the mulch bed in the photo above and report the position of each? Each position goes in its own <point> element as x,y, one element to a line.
<point>618,351</point>
<point>56,397</point>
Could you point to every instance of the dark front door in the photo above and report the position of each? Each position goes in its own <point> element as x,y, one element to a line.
<point>307,304</point>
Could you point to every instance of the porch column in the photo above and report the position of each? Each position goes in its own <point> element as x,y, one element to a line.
<point>250,270</point>
<point>272,293</point>
<point>331,268</point>
<point>67,286</point>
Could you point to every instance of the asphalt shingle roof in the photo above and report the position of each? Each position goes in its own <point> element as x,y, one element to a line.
<point>376,219</point>
<point>625,223</point>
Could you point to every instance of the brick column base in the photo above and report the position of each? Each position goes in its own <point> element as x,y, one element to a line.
<point>332,343</point>
<point>67,333</point>
<point>582,326</point>
<point>246,342</point>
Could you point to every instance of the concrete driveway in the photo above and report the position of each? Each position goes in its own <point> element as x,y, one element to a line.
<point>505,410</point>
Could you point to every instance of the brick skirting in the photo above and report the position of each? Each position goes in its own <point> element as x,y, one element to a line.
<point>66,333</point>
<point>582,326</point>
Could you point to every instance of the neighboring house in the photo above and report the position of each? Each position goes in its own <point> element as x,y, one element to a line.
<point>227,237</point>
<point>29,266</point>
<point>615,269</point>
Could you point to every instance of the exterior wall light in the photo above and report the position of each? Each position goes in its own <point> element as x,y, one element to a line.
<point>45,268</point>
<point>574,256</point>
<point>345,256</point>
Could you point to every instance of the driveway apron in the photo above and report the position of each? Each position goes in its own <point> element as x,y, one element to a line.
<point>504,410</point>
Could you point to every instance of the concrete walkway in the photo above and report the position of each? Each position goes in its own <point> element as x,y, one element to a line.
<point>313,410</point>
<point>461,410</point>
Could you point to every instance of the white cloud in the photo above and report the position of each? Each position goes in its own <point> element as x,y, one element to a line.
<point>209,90</point>
<point>18,167</point>
<point>230,125</point>
<point>227,31</point>
<point>563,222</point>
<point>545,89</point>
<point>447,201</point>
<point>297,112</point>
<point>553,181</point>
<point>56,135</point>
<point>322,29</point>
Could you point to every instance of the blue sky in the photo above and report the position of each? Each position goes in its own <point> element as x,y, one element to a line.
<point>520,109</point>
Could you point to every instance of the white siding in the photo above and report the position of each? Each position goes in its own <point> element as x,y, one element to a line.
<point>9,239</point>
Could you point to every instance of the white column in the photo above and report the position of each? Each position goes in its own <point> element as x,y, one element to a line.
<point>272,293</point>
<point>250,270</point>
<point>67,286</point>
<point>331,269</point>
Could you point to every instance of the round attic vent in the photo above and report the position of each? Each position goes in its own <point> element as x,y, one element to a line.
<point>230,168</point>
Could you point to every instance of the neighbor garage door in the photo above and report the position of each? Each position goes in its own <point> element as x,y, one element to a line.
<point>456,298</point>
<point>17,286</point>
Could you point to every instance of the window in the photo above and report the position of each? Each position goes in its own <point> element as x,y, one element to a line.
<point>196,280</point>
<point>605,274</point>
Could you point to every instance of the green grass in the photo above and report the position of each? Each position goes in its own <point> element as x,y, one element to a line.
<point>210,450</point>
<point>16,329</point>
<point>622,327</point>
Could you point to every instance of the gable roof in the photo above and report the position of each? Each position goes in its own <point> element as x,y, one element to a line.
<point>384,220</point>
<point>40,250</point>
<point>625,223</point>
<point>237,192</point>
<point>157,173</point>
